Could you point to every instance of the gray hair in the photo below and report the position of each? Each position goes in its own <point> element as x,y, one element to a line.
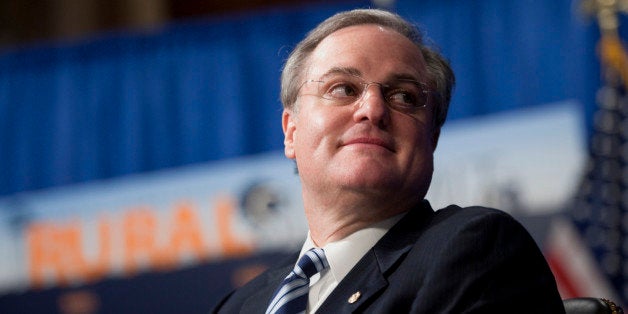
<point>440,75</point>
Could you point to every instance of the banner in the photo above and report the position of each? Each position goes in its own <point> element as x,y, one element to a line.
<point>523,162</point>
<point>153,222</point>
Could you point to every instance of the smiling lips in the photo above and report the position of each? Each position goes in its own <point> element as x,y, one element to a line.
<point>370,141</point>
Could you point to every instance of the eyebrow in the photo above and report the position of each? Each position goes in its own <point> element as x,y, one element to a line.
<point>342,70</point>
<point>355,72</point>
<point>405,77</point>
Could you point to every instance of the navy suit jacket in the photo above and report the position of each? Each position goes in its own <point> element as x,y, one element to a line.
<point>455,260</point>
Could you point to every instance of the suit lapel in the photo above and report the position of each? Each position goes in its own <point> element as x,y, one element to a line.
<point>362,282</point>
<point>369,275</point>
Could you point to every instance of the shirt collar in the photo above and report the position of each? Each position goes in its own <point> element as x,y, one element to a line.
<point>343,254</point>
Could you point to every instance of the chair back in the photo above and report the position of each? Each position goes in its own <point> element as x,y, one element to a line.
<point>591,306</point>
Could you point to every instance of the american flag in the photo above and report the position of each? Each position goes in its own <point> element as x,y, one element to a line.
<point>588,253</point>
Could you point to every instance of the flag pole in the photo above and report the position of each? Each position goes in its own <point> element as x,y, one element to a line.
<point>611,51</point>
<point>587,250</point>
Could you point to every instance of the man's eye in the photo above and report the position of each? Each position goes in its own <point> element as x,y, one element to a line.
<point>342,91</point>
<point>403,98</point>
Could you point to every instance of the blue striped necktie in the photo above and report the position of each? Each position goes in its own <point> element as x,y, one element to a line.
<point>291,296</point>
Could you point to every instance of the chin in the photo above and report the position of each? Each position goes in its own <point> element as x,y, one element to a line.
<point>370,180</point>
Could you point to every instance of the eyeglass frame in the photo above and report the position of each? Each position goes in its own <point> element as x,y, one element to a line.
<point>423,87</point>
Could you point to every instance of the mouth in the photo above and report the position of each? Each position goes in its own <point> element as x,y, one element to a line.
<point>370,141</point>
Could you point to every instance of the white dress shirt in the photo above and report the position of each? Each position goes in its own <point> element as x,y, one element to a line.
<point>342,255</point>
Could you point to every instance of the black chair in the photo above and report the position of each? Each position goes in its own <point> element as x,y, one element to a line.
<point>591,306</point>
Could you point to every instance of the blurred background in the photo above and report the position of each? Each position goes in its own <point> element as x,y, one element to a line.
<point>141,162</point>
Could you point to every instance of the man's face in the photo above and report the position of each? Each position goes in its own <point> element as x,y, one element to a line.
<point>364,147</point>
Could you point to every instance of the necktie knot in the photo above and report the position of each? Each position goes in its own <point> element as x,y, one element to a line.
<point>291,296</point>
<point>311,263</point>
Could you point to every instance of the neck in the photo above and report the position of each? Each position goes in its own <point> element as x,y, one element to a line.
<point>333,218</point>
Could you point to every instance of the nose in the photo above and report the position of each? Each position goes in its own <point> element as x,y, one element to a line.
<point>372,106</point>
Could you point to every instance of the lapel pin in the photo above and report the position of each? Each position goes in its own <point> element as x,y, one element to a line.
<point>354,297</point>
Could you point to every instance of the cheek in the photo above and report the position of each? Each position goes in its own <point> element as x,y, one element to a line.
<point>427,133</point>
<point>419,164</point>
<point>422,152</point>
<point>319,129</point>
<point>417,127</point>
<point>419,139</point>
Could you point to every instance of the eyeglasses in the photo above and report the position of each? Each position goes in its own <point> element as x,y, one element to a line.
<point>404,95</point>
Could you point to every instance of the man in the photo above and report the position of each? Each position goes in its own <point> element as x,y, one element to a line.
<point>364,100</point>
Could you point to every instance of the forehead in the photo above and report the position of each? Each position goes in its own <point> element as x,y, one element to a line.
<point>375,51</point>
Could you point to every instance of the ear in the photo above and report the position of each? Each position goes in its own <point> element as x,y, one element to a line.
<point>289,127</point>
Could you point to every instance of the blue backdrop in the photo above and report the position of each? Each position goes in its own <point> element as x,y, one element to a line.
<point>208,89</point>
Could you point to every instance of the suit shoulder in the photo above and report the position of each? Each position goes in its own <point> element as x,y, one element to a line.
<point>471,211</point>
<point>456,217</point>
<point>487,258</point>
<point>455,212</point>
